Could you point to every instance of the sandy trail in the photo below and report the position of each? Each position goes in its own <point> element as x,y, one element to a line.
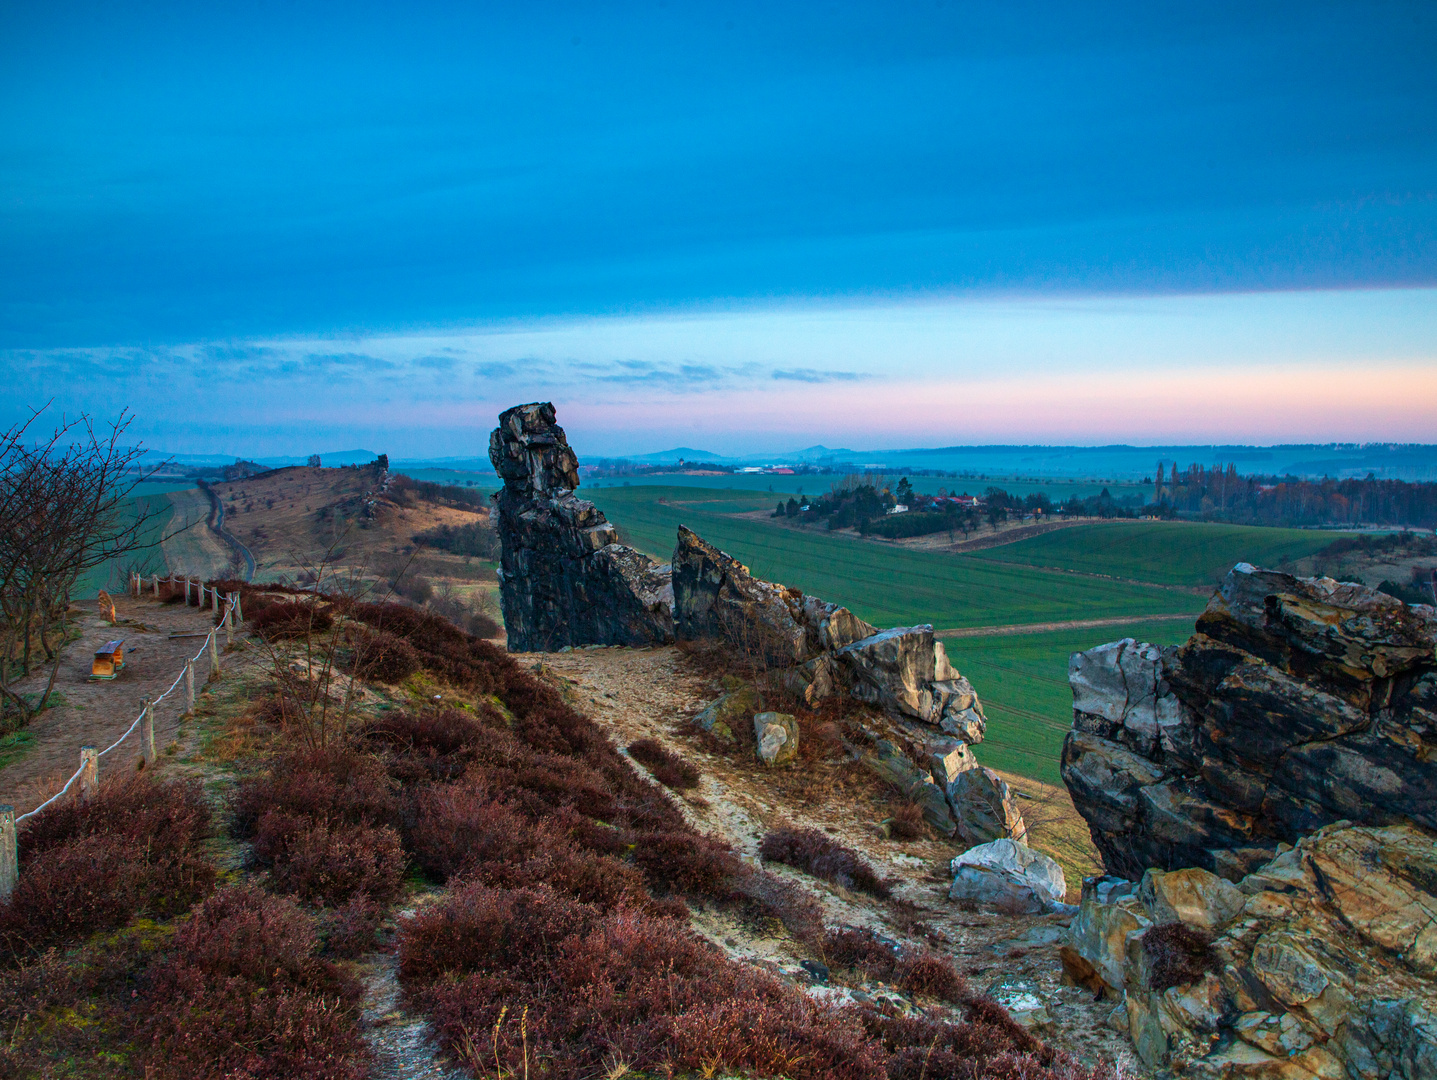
<point>96,713</point>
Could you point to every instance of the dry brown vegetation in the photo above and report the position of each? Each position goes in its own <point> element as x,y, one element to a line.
<point>560,941</point>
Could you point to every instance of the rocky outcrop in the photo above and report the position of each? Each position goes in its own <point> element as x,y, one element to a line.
<point>564,578</point>
<point>1321,963</point>
<point>1298,702</point>
<point>931,714</point>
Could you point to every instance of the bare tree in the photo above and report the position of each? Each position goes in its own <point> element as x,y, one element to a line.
<point>65,509</point>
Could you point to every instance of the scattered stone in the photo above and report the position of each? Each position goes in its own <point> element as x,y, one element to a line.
<point>1299,702</point>
<point>564,578</point>
<point>1010,878</point>
<point>816,971</point>
<point>777,737</point>
<point>722,715</point>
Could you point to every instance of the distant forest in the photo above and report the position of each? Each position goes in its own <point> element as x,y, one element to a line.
<point>875,506</point>
<point>1222,494</point>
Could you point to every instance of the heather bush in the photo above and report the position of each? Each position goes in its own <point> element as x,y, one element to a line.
<point>453,827</point>
<point>384,657</point>
<point>667,767</point>
<point>353,928</point>
<point>686,863</point>
<point>913,969</point>
<point>601,985</point>
<point>328,862</point>
<point>243,994</point>
<point>824,857</point>
<point>1178,954</point>
<point>335,783</point>
<point>290,619</point>
<point>86,866</point>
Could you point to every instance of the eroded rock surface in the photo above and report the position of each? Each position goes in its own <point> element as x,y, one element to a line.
<point>1298,702</point>
<point>565,580</point>
<point>1008,877</point>
<point>930,713</point>
<point>1322,963</point>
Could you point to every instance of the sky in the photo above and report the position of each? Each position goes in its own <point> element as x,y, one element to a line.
<point>287,228</point>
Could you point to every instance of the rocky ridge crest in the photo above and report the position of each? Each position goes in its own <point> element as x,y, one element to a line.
<point>1299,702</point>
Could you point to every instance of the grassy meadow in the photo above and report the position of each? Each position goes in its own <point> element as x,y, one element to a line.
<point>1107,570</point>
<point>887,585</point>
<point>1163,552</point>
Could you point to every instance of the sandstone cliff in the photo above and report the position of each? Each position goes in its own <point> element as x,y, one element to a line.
<point>1299,702</point>
<point>564,579</point>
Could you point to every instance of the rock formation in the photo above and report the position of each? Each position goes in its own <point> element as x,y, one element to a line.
<point>1298,702</point>
<point>1321,963</point>
<point>564,580</point>
<point>931,715</point>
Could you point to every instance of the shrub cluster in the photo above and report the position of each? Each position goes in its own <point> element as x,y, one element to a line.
<point>818,854</point>
<point>384,658</point>
<point>598,985</point>
<point>135,848</point>
<point>322,822</point>
<point>667,767</point>
<point>918,971</point>
<point>907,822</point>
<point>290,619</point>
<point>1178,954</point>
<point>243,993</point>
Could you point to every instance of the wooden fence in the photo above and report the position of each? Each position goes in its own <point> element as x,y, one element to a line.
<point>88,774</point>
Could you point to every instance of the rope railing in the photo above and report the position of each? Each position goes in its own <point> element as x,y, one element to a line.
<point>88,774</point>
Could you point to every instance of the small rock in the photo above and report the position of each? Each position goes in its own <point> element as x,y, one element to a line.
<point>777,737</point>
<point>1193,896</point>
<point>816,971</point>
<point>720,717</point>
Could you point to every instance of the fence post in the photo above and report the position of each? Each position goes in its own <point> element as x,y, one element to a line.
<point>156,578</point>
<point>89,773</point>
<point>189,686</point>
<point>239,608</point>
<point>147,732</point>
<point>9,854</point>
<point>214,599</point>
<point>228,621</point>
<point>214,653</point>
<point>187,590</point>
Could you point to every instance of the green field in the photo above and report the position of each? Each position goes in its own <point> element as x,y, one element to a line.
<point>1163,552</point>
<point>1103,570</point>
<point>113,575</point>
<point>1023,683</point>
<point>888,586</point>
<point>815,484</point>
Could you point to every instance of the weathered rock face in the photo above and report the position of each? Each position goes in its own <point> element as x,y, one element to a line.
<point>1299,702</point>
<point>823,649</point>
<point>1009,877</point>
<point>1323,962</point>
<point>564,579</point>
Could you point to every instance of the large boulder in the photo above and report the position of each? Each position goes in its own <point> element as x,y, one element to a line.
<point>1008,877</point>
<point>564,578</point>
<point>1318,964</point>
<point>1299,702</point>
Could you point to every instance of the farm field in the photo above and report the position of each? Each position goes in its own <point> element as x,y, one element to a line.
<point>1162,552</point>
<point>1023,683</point>
<point>886,585</point>
<point>113,574</point>
<point>772,486</point>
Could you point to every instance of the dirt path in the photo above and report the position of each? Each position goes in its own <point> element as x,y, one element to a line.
<point>1043,627</point>
<point>96,713</point>
<point>635,693</point>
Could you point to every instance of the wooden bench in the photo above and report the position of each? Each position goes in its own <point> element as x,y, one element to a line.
<point>109,660</point>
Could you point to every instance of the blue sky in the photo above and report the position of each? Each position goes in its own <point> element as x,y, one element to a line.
<point>649,209</point>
